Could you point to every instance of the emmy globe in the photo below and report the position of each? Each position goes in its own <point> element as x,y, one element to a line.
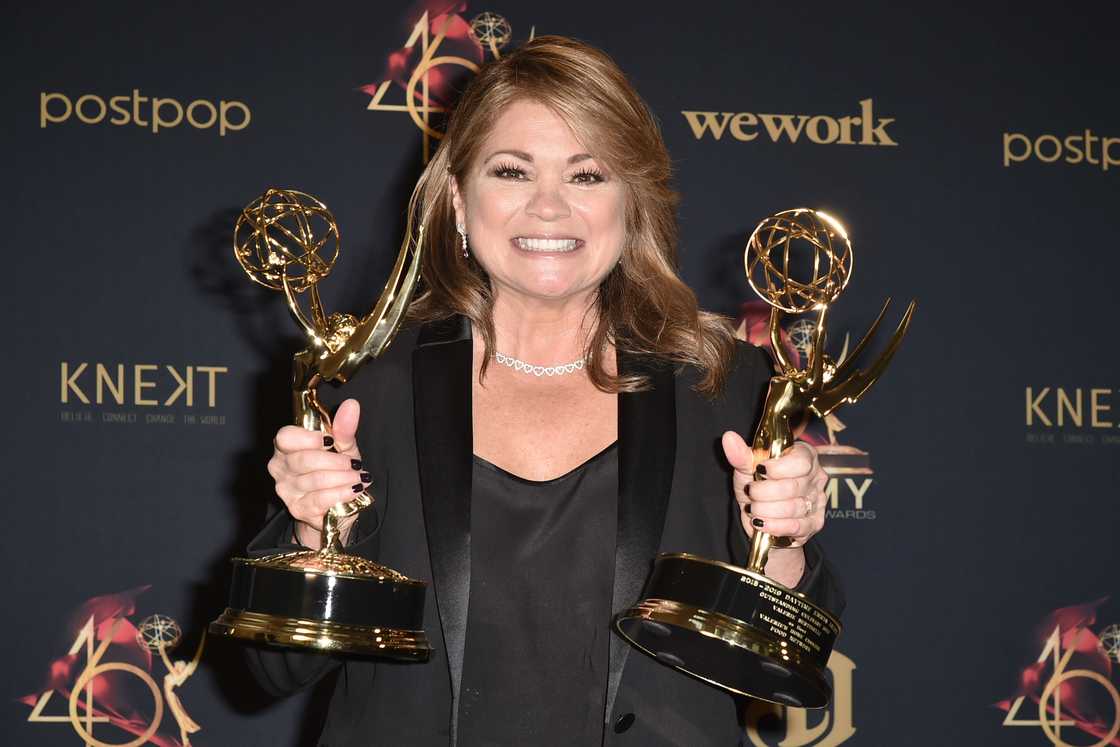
<point>322,599</point>
<point>735,627</point>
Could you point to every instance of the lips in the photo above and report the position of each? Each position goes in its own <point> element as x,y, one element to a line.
<point>549,245</point>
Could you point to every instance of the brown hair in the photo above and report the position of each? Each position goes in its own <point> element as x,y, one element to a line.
<point>643,305</point>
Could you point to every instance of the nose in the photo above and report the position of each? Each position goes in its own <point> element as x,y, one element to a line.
<point>547,202</point>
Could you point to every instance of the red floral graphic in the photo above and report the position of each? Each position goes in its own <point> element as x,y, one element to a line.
<point>444,18</point>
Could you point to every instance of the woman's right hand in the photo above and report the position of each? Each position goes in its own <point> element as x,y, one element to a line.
<point>310,477</point>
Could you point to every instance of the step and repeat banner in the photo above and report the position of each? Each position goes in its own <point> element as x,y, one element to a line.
<point>973,154</point>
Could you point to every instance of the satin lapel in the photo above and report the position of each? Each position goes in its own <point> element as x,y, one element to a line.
<point>441,374</point>
<point>647,441</point>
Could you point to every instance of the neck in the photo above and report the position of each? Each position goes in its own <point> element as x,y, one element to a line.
<point>544,333</point>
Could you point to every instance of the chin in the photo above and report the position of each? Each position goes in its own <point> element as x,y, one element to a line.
<point>551,289</point>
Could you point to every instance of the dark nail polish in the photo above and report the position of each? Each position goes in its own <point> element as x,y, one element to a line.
<point>760,470</point>
<point>757,522</point>
<point>355,464</point>
<point>747,508</point>
<point>328,441</point>
<point>365,477</point>
<point>358,488</point>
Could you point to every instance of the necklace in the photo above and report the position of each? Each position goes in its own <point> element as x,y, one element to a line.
<point>516,365</point>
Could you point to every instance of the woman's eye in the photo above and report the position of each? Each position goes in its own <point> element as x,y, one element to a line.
<point>588,176</point>
<point>508,172</point>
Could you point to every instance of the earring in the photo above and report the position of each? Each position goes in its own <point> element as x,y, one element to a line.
<point>462,229</point>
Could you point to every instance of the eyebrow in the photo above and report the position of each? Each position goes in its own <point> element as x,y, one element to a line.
<point>526,157</point>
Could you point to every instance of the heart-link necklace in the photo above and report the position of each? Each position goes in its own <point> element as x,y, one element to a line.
<point>518,365</point>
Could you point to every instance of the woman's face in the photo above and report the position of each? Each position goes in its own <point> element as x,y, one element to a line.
<point>545,219</point>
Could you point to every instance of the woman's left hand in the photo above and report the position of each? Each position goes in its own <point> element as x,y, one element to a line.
<point>790,502</point>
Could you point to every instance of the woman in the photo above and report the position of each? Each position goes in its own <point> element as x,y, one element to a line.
<point>535,503</point>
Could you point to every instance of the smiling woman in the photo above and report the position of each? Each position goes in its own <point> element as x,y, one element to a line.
<point>544,219</point>
<point>555,132</point>
<point>535,494</point>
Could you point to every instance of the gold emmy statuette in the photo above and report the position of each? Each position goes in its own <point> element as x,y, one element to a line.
<point>735,627</point>
<point>323,599</point>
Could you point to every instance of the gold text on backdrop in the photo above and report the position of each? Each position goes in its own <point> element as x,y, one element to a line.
<point>142,384</point>
<point>1071,149</point>
<point>160,114</point>
<point>1071,416</point>
<point>1078,406</point>
<point>861,129</point>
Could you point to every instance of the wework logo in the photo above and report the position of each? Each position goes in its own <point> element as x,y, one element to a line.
<point>822,129</point>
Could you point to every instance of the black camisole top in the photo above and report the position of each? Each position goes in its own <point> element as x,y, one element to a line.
<point>538,620</point>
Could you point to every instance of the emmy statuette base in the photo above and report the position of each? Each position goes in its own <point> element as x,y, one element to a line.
<point>256,627</point>
<point>735,629</point>
<point>326,602</point>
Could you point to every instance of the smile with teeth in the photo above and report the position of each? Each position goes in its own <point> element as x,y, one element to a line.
<point>547,245</point>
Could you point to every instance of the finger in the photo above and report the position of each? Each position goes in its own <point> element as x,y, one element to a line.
<point>791,509</point>
<point>820,477</point>
<point>344,428</point>
<point>800,528</point>
<point>797,527</point>
<point>796,461</point>
<point>804,507</point>
<point>313,460</point>
<point>293,438</point>
<point>741,459</point>
<point>781,489</point>
<point>738,454</point>
<point>328,480</point>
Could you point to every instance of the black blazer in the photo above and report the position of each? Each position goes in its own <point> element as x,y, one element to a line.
<point>415,436</point>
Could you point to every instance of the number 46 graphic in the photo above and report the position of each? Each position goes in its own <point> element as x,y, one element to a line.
<point>83,713</point>
<point>488,29</point>
<point>1052,727</point>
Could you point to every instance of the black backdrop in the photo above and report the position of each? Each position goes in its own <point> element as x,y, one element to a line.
<point>988,192</point>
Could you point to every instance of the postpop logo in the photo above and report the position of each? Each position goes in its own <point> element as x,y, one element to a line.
<point>822,129</point>
<point>1081,147</point>
<point>154,113</point>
